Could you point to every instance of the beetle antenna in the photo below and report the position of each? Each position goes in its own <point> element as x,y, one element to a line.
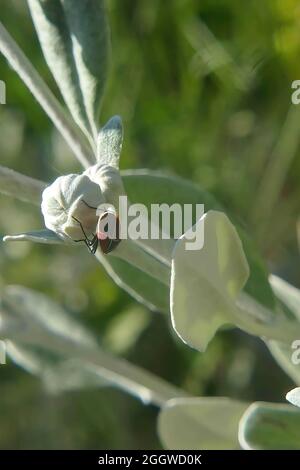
<point>91,207</point>
<point>95,208</point>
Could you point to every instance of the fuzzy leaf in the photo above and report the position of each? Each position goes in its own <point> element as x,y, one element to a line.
<point>205,283</point>
<point>58,374</point>
<point>198,423</point>
<point>40,236</point>
<point>109,144</point>
<point>71,375</point>
<point>74,38</point>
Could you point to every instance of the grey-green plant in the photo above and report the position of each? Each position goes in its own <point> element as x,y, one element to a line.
<point>223,284</point>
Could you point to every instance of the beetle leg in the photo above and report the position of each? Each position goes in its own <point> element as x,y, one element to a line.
<point>95,246</point>
<point>81,226</point>
<point>91,244</point>
<point>95,208</point>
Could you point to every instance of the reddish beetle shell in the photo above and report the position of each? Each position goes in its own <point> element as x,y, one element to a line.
<point>108,230</point>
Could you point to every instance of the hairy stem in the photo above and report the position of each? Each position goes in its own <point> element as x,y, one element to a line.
<point>19,62</point>
<point>259,321</point>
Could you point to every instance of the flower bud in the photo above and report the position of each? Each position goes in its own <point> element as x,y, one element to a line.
<point>109,180</point>
<point>72,197</point>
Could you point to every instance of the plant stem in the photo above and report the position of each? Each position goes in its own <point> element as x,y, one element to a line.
<point>258,320</point>
<point>45,97</point>
<point>20,186</point>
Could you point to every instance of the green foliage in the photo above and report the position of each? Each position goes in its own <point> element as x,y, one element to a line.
<point>206,95</point>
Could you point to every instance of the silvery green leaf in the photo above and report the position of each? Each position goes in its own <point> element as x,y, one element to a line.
<point>109,144</point>
<point>74,37</point>
<point>293,396</point>
<point>58,374</point>
<point>205,283</point>
<point>40,236</point>
<point>72,375</point>
<point>54,35</point>
<point>146,187</point>
<point>266,426</point>
<point>91,43</point>
<point>200,423</point>
<point>27,358</point>
<point>140,285</point>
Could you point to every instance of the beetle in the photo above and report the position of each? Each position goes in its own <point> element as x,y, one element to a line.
<point>106,221</point>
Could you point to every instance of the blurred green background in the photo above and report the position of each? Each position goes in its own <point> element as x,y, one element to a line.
<point>204,89</point>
